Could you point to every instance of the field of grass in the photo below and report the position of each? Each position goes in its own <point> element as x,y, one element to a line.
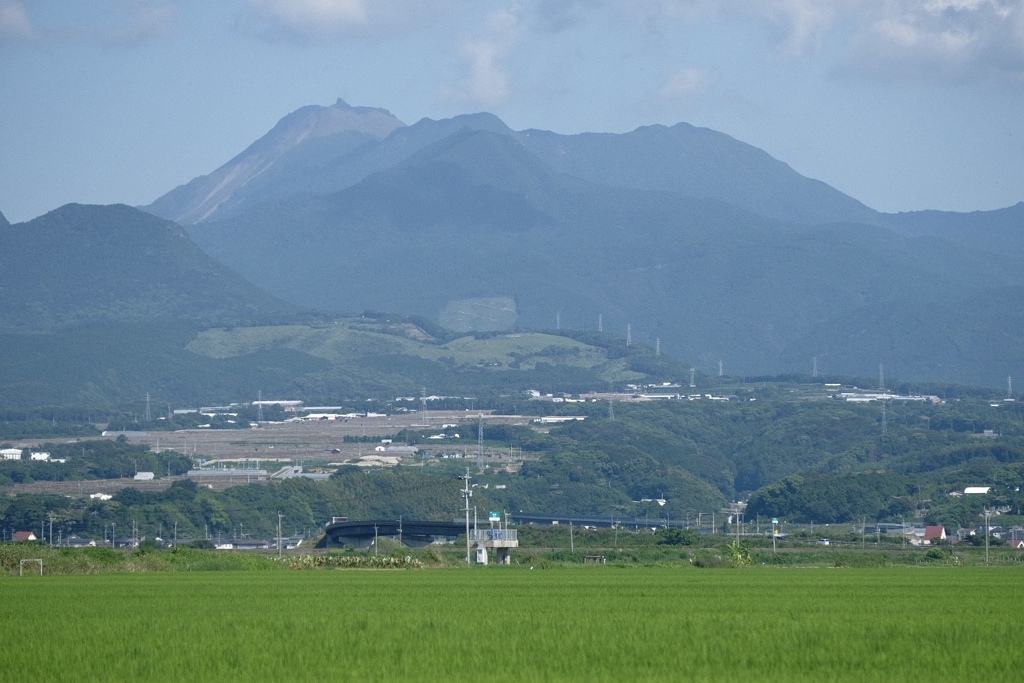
<point>515,624</point>
<point>347,340</point>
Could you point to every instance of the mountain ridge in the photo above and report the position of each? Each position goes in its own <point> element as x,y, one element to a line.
<point>681,158</point>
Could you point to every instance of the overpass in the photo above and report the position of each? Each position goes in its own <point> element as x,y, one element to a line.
<point>412,533</point>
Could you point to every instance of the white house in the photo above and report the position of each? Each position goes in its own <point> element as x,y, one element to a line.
<point>39,455</point>
<point>10,454</point>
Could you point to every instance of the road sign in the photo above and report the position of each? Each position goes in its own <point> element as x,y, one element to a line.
<point>493,516</point>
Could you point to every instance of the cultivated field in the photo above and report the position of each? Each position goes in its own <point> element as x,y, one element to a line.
<point>511,624</point>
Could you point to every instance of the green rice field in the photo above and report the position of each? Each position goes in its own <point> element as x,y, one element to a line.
<point>509,624</point>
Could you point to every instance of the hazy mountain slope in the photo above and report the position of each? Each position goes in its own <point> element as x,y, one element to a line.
<point>3,221</point>
<point>698,162</point>
<point>974,339</point>
<point>279,162</point>
<point>1000,231</point>
<point>326,149</point>
<point>80,263</point>
<point>476,215</point>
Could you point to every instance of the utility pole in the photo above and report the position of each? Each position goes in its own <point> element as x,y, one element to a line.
<point>466,494</point>
<point>987,513</point>
<point>572,545</point>
<point>279,517</point>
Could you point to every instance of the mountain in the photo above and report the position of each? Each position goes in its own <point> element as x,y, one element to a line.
<point>476,229</point>
<point>344,149</point>
<point>89,263</point>
<point>299,147</point>
<point>698,162</point>
<point>696,241</point>
<point>3,221</point>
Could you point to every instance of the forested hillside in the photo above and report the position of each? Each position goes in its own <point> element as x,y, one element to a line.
<point>788,449</point>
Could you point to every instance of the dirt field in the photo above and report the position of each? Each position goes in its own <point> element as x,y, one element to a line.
<point>320,441</point>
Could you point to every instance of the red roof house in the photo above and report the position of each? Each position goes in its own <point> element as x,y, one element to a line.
<point>934,533</point>
<point>24,536</point>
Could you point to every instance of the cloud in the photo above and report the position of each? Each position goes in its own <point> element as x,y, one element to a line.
<point>487,82</point>
<point>941,40</point>
<point>115,23</point>
<point>313,20</point>
<point>14,22</point>
<point>686,83</point>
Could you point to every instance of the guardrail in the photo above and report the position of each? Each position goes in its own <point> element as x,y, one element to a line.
<point>494,535</point>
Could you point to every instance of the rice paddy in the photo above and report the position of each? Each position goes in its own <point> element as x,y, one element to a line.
<point>501,624</point>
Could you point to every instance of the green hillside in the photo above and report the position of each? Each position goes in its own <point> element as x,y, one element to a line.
<point>116,364</point>
<point>80,264</point>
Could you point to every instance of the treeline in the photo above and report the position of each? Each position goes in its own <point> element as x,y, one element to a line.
<point>94,459</point>
<point>195,512</point>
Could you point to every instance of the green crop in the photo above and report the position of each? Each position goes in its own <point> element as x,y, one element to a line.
<point>507,624</point>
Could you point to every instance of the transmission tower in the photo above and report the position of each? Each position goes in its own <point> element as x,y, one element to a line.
<point>721,371</point>
<point>423,406</point>
<point>629,334</point>
<point>881,377</point>
<point>814,367</point>
<point>692,378</point>
<point>558,320</point>
<point>149,414</point>
<point>600,322</point>
<point>1009,387</point>
<point>259,407</point>
<point>657,346</point>
<point>885,425</point>
<point>611,409</point>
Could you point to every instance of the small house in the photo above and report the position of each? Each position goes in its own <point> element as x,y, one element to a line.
<point>24,536</point>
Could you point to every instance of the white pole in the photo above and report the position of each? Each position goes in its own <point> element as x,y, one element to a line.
<point>465,494</point>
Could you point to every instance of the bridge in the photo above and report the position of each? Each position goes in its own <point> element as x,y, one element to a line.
<point>411,533</point>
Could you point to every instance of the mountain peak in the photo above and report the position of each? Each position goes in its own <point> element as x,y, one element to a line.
<point>338,125</point>
<point>4,223</point>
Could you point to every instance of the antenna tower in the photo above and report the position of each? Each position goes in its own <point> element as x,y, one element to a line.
<point>629,334</point>
<point>1009,387</point>
<point>600,322</point>
<point>149,414</point>
<point>885,425</point>
<point>423,406</point>
<point>692,382</point>
<point>558,320</point>
<point>881,377</point>
<point>611,409</point>
<point>259,407</point>
<point>721,371</point>
<point>814,367</point>
<point>657,346</point>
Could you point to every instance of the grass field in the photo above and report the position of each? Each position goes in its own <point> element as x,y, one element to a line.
<point>562,624</point>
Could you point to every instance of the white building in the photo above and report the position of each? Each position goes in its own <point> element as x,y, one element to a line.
<point>10,454</point>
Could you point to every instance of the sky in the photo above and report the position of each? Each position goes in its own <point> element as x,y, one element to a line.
<point>902,104</point>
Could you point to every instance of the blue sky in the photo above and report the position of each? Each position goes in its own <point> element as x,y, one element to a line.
<point>902,104</point>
